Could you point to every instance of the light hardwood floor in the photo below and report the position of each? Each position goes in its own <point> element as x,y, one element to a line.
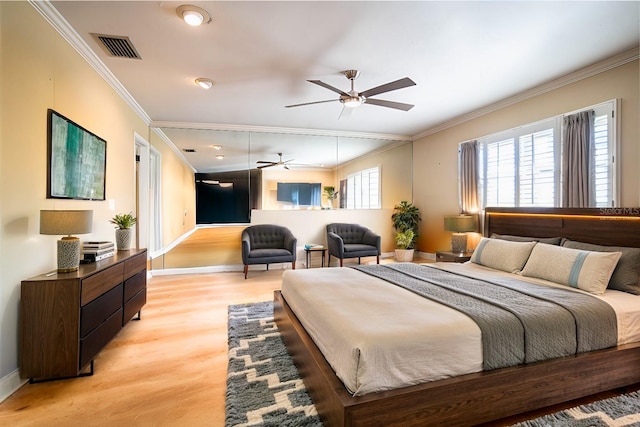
<point>169,369</point>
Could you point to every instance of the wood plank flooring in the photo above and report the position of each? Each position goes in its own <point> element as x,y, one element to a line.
<point>169,369</point>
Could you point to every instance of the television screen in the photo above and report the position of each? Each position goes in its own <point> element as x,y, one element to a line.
<point>77,160</point>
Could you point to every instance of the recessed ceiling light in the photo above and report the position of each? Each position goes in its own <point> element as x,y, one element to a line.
<point>220,156</point>
<point>204,83</point>
<point>193,15</point>
<point>217,147</point>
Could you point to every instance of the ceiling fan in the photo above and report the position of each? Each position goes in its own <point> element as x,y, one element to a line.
<point>353,99</point>
<point>268,164</point>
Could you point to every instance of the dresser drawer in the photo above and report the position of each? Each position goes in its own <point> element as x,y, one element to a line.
<point>135,264</point>
<point>134,284</point>
<point>101,282</point>
<point>134,305</point>
<point>94,313</point>
<point>99,337</point>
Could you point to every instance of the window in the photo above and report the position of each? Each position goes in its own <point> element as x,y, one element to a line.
<point>521,167</point>
<point>363,189</point>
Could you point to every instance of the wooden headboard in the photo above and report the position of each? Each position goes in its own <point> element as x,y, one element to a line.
<point>601,226</point>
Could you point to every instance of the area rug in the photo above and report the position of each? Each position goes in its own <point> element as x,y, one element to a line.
<point>264,388</point>
<point>263,385</point>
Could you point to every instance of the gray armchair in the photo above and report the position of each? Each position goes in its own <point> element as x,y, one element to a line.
<point>352,241</point>
<point>267,244</point>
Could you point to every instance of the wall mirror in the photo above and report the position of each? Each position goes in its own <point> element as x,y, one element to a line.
<point>228,161</point>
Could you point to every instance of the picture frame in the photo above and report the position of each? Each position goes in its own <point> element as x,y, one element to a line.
<point>77,160</point>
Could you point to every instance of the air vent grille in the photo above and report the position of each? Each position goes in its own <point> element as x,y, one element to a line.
<point>118,46</point>
<point>189,150</point>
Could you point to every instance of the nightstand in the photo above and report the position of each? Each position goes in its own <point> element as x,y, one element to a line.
<point>444,256</point>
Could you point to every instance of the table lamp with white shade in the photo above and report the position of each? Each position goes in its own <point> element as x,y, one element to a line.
<point>460,225</point>
<point>67,222</point>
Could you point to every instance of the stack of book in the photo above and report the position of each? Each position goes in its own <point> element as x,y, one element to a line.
<point>95,251</point>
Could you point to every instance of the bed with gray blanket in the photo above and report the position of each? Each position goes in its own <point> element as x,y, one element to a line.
<point>382,327</point>
<point>526,324</point>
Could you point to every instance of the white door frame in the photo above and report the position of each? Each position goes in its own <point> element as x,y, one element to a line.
<point>142,190</point>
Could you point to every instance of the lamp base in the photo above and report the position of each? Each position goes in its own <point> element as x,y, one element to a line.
<point>68,254</point>
<point>458,242</point>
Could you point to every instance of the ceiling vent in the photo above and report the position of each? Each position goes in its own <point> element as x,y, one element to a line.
<point>189,150</point>
<point>118,46</point>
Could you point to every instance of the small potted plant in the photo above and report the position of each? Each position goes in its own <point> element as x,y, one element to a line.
<point>123,223</point>
<point>331,193</point>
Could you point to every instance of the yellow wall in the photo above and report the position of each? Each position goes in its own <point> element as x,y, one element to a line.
<point>40,70</point>
<point>435,156</point>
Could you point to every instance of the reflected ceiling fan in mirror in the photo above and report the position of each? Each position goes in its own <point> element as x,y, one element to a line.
<point>280,162</point>
<point>353,99</point>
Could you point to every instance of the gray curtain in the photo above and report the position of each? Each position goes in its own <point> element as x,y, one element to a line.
<point>577,160</point>
<point>468,172</point>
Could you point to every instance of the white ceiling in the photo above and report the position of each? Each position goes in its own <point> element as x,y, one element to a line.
<point>463,56</point>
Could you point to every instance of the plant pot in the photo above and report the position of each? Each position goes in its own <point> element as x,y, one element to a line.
<point>123,238</point>
<point>404,255</point>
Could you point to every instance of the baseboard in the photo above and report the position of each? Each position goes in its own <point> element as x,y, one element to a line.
<point>10,383</point>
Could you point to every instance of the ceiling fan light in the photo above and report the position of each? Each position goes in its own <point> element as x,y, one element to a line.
<point>353,102</point>
<point>204,83</point>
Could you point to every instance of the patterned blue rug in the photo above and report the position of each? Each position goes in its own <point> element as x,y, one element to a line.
<point>264,388</point>
<point>263,385</point>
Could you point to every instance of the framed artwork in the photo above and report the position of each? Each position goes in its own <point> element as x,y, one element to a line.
<point>77,160</point>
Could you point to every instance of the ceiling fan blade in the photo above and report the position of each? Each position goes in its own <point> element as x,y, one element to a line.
<point>390,104</point>
<point>266,166</point>
<point>310,103</point>
<point>398,84</point>
<point>328,86</point>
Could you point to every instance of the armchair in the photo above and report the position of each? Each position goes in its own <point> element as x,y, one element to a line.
<point>352,241</point>
<point>267,244</point>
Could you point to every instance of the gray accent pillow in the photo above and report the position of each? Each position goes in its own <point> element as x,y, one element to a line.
<point>626,276</point>
<point>547,240</point>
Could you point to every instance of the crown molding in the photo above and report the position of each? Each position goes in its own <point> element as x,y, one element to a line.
<point>57,21</point>
<point>584,73</point>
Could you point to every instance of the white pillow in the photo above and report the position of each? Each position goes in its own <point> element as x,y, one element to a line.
<point>586,270</point>
<point>502,255</point>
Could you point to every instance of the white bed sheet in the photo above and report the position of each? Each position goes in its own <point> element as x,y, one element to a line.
<point>377,336</point>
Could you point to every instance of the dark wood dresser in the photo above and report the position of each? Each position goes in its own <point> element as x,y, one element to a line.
<point>67,318</point>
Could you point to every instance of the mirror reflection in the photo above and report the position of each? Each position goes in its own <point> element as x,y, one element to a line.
<point>237,171</point>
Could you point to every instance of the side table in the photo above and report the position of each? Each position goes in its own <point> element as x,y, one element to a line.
<point>316,248</point>
<point>448,256</point>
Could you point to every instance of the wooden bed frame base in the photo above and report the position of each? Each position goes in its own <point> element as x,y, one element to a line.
<point>460,401</point>
<point>479,397</point>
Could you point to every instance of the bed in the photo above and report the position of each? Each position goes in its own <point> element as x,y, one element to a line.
<point>481,396</point>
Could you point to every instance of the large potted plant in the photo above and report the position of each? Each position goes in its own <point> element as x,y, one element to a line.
<point>405,218</point>
<point>123,223</point>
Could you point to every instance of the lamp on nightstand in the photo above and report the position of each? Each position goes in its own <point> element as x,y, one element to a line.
<point>67,222</point>
<point>460,225</point>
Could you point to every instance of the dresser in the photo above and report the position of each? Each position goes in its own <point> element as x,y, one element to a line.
<point>67,318</point>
